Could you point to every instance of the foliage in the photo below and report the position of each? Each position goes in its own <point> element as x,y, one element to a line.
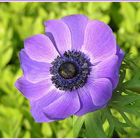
<point>121,118</point>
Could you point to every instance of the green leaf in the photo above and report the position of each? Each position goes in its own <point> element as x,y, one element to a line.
<point>127,120</point>
<point>123,100</point>
<point>77,125</point>
<point>5,56</point>
<point>10,120</point>
<point>133,84</point>
<point>27,134</point>
<point>129,14</point>
<point>46,130</point>
<point>107,114</point>
<point>94,125</point>
<point>138,16</point>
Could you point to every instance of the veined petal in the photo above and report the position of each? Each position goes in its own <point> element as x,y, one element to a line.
<point>100,91</point>
<point>40,48</point>
<point>86,102</point>
<point>38,106</point>
<point>61,34</point>
<point>34,71</point>
<point>63,107</point>
<point>77,25</point>
<point>107,69</point>
<point>33,91</point>
<point>99,41</point>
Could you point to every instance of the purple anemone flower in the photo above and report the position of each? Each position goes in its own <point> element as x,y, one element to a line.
<point>71,70</point>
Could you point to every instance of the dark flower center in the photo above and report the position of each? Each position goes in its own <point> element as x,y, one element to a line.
<point>70,70</point>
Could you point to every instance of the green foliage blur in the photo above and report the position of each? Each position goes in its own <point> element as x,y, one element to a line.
<point>21,20</point>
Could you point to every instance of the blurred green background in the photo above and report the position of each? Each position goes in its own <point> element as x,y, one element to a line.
<point>21,20</point>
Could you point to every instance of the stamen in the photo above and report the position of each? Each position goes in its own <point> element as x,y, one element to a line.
<point>70,71</point>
